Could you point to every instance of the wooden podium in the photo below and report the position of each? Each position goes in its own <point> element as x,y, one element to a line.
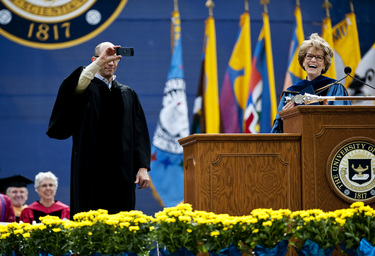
<point>324,131</point>
<point>236,173</point>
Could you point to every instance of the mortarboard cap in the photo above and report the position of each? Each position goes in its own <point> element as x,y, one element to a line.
<point>14,181</point>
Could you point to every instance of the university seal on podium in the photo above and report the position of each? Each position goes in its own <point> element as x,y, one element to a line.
<point>352,171</point>
<point>54,24</point>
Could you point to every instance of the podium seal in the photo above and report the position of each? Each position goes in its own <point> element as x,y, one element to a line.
<point>55,24</point>
<point>352,171</point>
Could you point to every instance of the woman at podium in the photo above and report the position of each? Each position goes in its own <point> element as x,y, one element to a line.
<point>315,57</point>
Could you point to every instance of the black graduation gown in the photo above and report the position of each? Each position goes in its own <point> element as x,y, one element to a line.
<point>110,143</point>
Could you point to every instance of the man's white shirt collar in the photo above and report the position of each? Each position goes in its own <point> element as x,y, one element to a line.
<point>105,80</point>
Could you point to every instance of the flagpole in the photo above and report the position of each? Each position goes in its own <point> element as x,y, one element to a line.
<point>264,3</point>
<point>210,5</point>
<point>327,5</point>
<point>246,5</point>
<point>351,6</point>
<point>298,3</point>
<point>175,5</point>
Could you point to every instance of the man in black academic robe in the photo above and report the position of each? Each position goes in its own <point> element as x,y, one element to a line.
<point>111,143</point>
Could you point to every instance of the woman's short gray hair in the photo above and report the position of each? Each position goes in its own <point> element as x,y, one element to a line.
<point>45,175</point>
<point>320,44</point>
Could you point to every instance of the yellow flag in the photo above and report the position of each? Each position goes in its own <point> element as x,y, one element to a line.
<point>210,91</point>
<point>346,44</point>
<point>327,35</point>
<point>241,59</point>
<point>295,73</point>
<point>235,87</point>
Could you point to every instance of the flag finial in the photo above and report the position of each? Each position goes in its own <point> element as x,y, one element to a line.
<point>264,3</point>
<point>327,5</point>
<point>298,3</point>
<point>246,5</point>
<point>210,5</point>
<point>175,4</point>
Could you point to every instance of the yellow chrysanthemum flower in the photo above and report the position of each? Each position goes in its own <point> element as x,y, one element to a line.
<point>124,224</point>
<point>185,219</point>
<point>18,231</point>
<point>112,222</point>
<point>133,228</point>
<point>357,205</point>
<point>267,223</point>
<point>4,236</point>
<point>340,221</point>
<point>214,233</point>
<point>170,220</point>
<point>26,235</point>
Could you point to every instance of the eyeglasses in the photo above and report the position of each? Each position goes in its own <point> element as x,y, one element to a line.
<point>309,56</point>
<point>115,61</point>
<point>47,185</point>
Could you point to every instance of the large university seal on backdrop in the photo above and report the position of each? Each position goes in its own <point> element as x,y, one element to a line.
<point>54,24</point>
<point>351,170</point>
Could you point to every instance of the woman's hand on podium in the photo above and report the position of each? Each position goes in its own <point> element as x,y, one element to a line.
<point>289,105</point>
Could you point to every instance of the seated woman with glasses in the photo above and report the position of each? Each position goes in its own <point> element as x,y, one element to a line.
<point>315,57</point>
<point>46,186</point>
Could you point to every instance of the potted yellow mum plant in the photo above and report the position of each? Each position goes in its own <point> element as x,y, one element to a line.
<point>107,234</point>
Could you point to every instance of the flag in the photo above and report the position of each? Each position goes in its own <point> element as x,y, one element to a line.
<point>199,123</point>
<point>346,45</point>
<point>167,173</point>
<point>295,73</point>
<point>206,117</point>
<point>235,87</point>
<point>365,73</point>
<point>261,105</point>
<point>327,35</point>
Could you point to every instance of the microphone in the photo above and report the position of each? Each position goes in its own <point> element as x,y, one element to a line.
<point>348,70</point>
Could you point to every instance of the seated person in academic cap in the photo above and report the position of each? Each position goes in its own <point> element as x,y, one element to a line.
<point>15,187</point>
<point>315,57</point>
<point>46,186</point>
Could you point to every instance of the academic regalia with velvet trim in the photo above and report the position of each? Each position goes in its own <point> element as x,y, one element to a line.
<point>6,209</point>
<point>316,87</point>
<point>36,210</point>
<point>110,142</point>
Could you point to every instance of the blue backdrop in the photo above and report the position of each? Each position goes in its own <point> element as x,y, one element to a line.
<point>30,77</point>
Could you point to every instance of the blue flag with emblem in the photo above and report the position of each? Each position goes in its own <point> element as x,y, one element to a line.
<point>167,175</point>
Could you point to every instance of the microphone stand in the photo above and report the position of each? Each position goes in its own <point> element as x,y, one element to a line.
<point>308,98</point>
